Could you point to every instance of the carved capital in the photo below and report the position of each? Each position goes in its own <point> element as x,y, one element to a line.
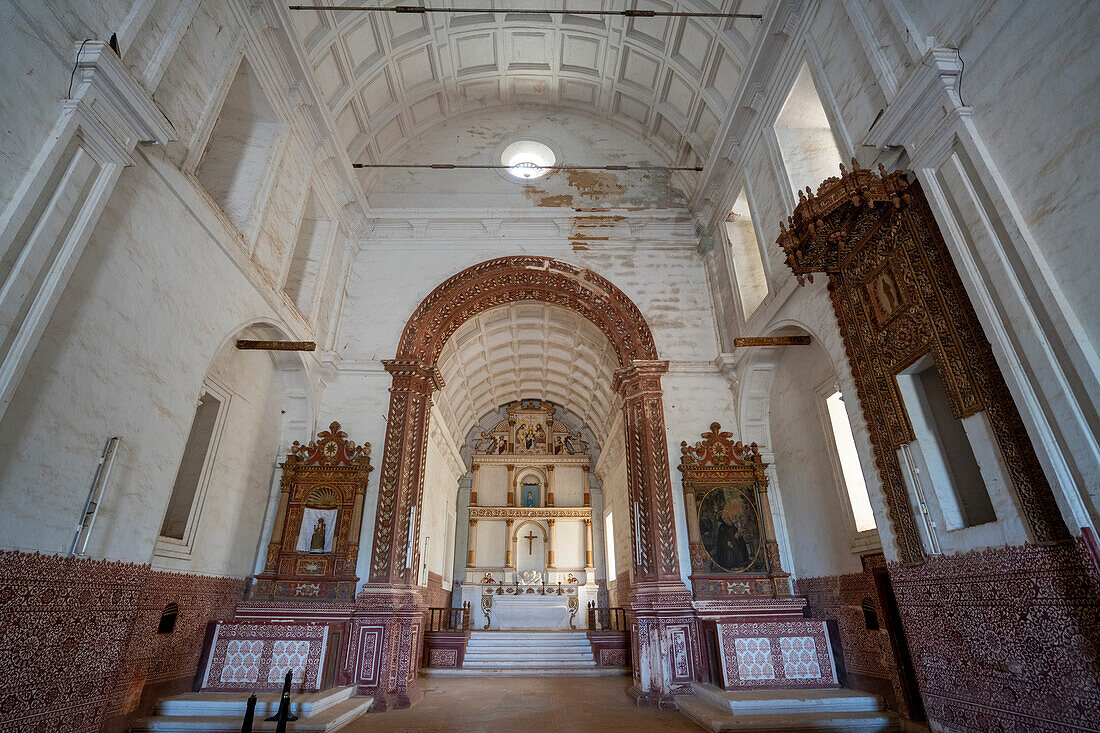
<point>413,376</point>
<point>639,378</point>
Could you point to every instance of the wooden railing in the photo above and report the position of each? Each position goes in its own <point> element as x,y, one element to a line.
<point>603,618</point>
<point>449,619</point>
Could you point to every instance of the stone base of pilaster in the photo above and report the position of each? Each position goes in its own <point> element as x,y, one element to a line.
<point>666,642</point>
<point>384,650</point>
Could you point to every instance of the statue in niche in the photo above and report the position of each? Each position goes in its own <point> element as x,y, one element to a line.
<point>530,495</point>
<point>317,543</point>
<point>540,437</point>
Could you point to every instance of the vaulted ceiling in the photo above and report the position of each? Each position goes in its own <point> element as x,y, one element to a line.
<point>671,81</point>
<point>526,350</point>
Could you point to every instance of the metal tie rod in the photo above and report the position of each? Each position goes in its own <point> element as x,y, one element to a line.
<point>527,11</point>
<point>471,166</point>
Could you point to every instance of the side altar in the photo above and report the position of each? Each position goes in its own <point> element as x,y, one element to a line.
<point>300,610</point>
<point>529,552</point>
<point>753,629</point>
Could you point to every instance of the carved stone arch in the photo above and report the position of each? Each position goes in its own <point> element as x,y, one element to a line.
<point>524,523</point>
<point>658,591</point>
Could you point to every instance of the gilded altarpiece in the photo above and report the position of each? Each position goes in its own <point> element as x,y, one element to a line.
<point>897,297</point>
<point>730,533</point>
<point>315,540</point>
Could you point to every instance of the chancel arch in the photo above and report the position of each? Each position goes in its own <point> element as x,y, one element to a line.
<point>636,383</point>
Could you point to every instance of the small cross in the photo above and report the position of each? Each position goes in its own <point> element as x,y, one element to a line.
<point>530,537</point>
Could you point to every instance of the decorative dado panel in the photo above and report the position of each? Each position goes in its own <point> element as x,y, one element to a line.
<point>897,296</point>
<point>81,640</point>
<point>1006,639</point>
<point>869,662</point>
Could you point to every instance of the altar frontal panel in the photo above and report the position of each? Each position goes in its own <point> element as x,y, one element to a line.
<point>782,654</point>
<point>255,657</point>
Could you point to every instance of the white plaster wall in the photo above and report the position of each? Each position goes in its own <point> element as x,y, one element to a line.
<point>440,488</point>
<point>815,508</point>
<point>163,284</point>
<point>125,354</point>
<point>568,486</point>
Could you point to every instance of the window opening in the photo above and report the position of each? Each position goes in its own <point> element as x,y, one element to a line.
<point>805,138</point>
<point>850,467</point>
<point>746,252</point>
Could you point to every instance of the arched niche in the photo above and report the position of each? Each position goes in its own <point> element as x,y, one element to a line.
<point>530,553</point>
<point>527,476</point>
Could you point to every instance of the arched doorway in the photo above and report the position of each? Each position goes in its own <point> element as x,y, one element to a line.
<point>663,633</point>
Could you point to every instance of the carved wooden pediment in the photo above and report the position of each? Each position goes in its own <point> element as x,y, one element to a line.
<point>330,448</point>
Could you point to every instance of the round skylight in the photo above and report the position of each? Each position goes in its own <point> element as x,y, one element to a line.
<point>527,159</point>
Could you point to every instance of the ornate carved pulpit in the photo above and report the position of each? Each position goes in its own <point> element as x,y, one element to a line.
<point>730,532</point>
<point>315,540</point>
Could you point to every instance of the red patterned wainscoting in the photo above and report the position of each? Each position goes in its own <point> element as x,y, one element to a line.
<point>434,594</point>
<point>1006,639</point>
<point>81,643</point>
<point>866,655</point>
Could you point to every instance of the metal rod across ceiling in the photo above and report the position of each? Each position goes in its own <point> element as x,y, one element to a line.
<point>471,166</point>
<point>527,11</point>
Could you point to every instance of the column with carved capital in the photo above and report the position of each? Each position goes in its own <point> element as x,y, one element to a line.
<point>508,542</point>
<point>662,616</point>
<point>477,483</point>
<point>586,486</point>
<point>549,485</point>
<point>383,654</point>
<point>588,545</point>
<point>550,544</point>
<point>511,485</point>
<point>471,545</point>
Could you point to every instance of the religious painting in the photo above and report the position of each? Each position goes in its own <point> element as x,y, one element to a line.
<point>316,533</point>
<point>530,494</point>
<point>886,295</point>
<point>530,437</point>
<point>730,530</point>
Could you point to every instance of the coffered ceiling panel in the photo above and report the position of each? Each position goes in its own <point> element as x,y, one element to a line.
<point>525,350</point>
<point>669,81</point>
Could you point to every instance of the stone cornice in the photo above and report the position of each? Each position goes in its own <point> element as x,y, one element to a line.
<point>532,459</point>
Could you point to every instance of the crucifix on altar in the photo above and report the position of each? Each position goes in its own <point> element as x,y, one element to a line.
<point>530,537</point>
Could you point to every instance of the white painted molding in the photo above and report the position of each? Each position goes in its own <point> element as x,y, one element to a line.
<point>1049,363</point>
<point>90,143</point>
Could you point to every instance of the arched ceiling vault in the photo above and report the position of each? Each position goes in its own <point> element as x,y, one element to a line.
<point>671,81</point>
<point>523,350</point>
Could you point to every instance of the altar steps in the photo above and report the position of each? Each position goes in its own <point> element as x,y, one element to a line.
<point>775,711</point>
<point>223,712</point>
<point>527,653</point>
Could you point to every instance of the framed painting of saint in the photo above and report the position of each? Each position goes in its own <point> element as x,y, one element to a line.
<point>730,530</point>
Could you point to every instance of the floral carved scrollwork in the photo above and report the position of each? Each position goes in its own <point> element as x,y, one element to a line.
<point>897,295</point>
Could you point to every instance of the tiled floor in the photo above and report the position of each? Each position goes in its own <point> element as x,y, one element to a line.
<point>525,705</point>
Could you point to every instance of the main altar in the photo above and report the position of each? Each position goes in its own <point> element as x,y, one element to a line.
<point>529,562</point>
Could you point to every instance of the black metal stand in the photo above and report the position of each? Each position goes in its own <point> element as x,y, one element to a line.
<point>249,711</point>
<point>283,716</point>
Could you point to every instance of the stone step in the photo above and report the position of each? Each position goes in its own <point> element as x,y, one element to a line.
<point>527,654</point>
<point>521,672</point>
<point>234,703</point>
<point>780,702</point>
<point>584,661</point>
<point>718,719</point>
<point>328,721</point>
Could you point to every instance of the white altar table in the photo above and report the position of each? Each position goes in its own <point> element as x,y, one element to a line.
<point>530,612</point>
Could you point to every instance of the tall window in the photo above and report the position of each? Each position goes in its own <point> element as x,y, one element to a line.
<point>185,503</point>
<point>748,260</point>
<point>944,445</point>
<point>850,466</point>
<point>609,541</point>
<point>233,164</point>
<point>805,138</point>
